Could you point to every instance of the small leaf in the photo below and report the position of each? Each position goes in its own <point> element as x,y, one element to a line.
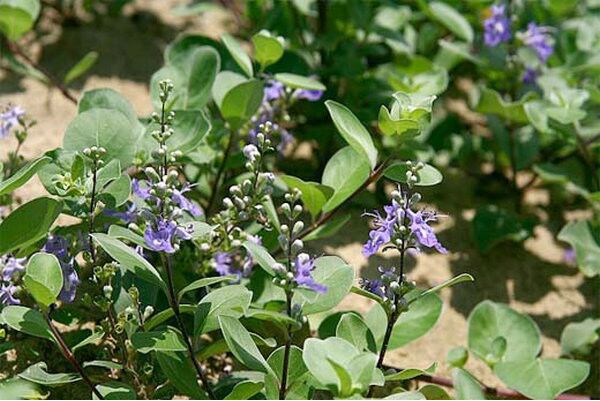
<point>585,240</point>
<point>28,223</point>
<point>492,102</point>
<point>314,195</point>
<point>231,301</point>
<point>18,17</point>
<point>353,329</point>
<point>328,229</point>
<point>242,102</point>
<point>352,131</point>
<point>452,19</point>
<point>81,67</point>
<point>457,357</point>
<point>165,340</point>
<point>129,259</point>
<point>238,54</point>
<point>43,278</point>
<point>24,174</point>
<point>204,282</point>
<point>467,387</point>
<point>178,368</point>
<point>492,225</point>
<point>461,278</point>
<point>426,176</point>
<point>244,390</point>
<point>38,374</point>
<point>345,172</point>
<point>241,345</point>
<point>542,379</point>
<point>115,391</point>
<point>103,364</point>
<point>26,320</point>
<point>407,374</point>
<point>261,255</point>
<point>299,82</point>
<point>267,49</point>
<point>578,338</point>
<point>91,339</point>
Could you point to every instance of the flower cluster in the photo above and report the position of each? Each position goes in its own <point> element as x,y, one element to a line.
<point>163,203</point>
<point>402,226</point>
<point>243,205</point>
<point>497,26</point>
<point>59,247</point>
<point>274,108</point>
<point>10,272</point>
<point>300,265</point>
<point>539,40</point>
<point>10,118</point>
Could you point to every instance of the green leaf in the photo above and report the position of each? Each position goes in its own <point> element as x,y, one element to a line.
<point>267,49</point>
<point>28,223</point>
<point>239,55</point>
<point>542,379</point>
<point>366,294</point>
<point>314,195</point>
<point>467,387</point>
<point>129,260</point>
<point>585,240</point>
<point>345,172</point>
<point>421,316</point>
<point>106,98</point>
<point>119,232</point>
<point>106,128</point>
<point>336,275</point>
<point>167,314</point>
<point>405,128</point>
<point>26,320</point>
<point>452,19</point>
<point>458,356</point>
<point>43,278</point>
<point>178,368</point>
<point>91,339</point>
<point>492,225</point>
<point>231,301</point>
<point>203,282</point>
<point>352,131</point>
<point>241,345</point>
<point>242,102</point>
<point>24,174</point>
<point>115,391</point>
<point>17,17</point>
<point>461,278</point>
<point>116,193</point>
<point>318,354</point>
<point>166,340</point>
<point>426,176</point>
<point>296,366</point>
<point>411,373</point>
<point>492,102</point>
<point>38,374</point>
<point>261,255</point>
<point>433,392</point>
<point>103,364</point>
<point>244,390</point>
<point>224,82</point>
<point>353,329</point>
<point>490,320</point>
<point>15,389</point>
<point>344,378</point>
<point>328,229</point>
<point>406,395</point>
<point>81,67</point>
<point>299,82</point>
<point>201,69</point>
<point>578,338</point>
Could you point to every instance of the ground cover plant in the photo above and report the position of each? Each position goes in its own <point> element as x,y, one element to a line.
<point>178,253</point>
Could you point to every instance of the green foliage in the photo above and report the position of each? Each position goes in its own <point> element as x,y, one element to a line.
<point>18,16</point>
<point>43,278</point>
<point>585,240</point>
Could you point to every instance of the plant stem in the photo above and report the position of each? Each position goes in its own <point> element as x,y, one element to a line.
<point>16,50</point>
<point>587,157</point>
<point>175,307</point>
<point>215,186</point>
<point>92,210</point>
<point>375,175</point>
<point>68,354</point>
<point>288,347</point>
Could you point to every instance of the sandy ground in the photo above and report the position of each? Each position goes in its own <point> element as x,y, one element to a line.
<point>531,278</point>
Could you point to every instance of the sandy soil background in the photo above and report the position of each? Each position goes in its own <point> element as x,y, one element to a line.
<point>531,278</point>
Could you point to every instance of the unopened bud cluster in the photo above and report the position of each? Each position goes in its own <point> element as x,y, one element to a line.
<point>412,174</point>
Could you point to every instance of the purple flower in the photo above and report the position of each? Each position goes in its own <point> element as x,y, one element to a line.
<point>422,231</point>
<point>529,76</point>
<point>273,90</point>
<point>11,266</point>
<point>251,152</point>
<point>7,294</point>
<point>70,282</point>
<point>128,216</point>
<point>383,228</point>
<point>57,246</point>
<point>496,27</point>
<point>161,235</point>
<point>303,267</point>
<point>223,263</point>
<point>539,40</point>
<point>373,286</point>
<point>570,257</point>
<point>10,119</point>
<point>142,193</point>
<point>310,95</point>
<point>184,203</point>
